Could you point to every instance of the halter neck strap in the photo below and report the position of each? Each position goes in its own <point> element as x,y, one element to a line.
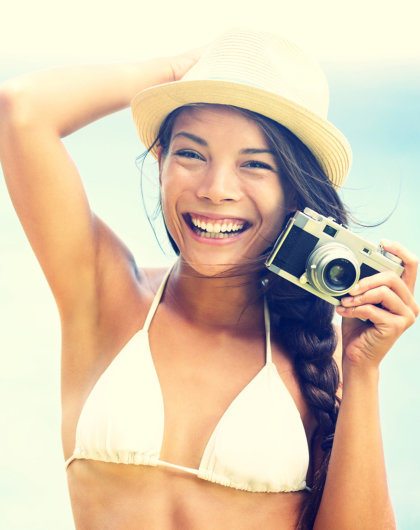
<point>158,296</point>
<point>156,300</point>
<point>268,356</point>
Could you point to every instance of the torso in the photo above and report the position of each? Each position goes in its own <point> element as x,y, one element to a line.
<point>198,384</point>
<point>106,497</point>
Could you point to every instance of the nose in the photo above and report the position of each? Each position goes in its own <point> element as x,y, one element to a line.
<point>219,184</point>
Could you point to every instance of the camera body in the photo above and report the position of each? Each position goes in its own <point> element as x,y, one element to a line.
<point>325,258</point>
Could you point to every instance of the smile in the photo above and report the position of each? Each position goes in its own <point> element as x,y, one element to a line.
<point>222,228</point>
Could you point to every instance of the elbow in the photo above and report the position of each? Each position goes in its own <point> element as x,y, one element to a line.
<point>16,110</point>
<point>10,93</point>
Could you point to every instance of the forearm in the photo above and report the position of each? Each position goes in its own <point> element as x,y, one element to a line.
<point>66,99</point>
<point>356,493</point>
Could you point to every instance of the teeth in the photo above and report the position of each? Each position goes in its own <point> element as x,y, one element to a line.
<point>213,235</point>
<point>217,229</point>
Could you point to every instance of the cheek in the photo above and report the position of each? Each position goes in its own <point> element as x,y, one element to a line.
<point>273,209</point>
<point>167,190</point>
<point>170,197</point>
<point>165,199</point>
<point>273,223</point>
<point>168,208</point>
<point>172,183</point>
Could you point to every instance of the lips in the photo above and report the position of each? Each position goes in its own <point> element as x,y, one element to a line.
<point>215,228</point>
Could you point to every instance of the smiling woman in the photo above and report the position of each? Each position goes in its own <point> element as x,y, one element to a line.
<point>208,395</point>
<point>220,178</point>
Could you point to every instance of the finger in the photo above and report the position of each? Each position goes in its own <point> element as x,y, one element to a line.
<point>373,315</point>
<point>410,261</point>
<point>383,296</point>
<point>196,53</point>
<point>388,279</point>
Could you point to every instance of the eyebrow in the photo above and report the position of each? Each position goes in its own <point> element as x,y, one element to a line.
<point>255,151</point>
<point>201,141</point>
<point>192,137</point>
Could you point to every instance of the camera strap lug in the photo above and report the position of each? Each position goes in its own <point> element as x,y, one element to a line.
<point>303,278</point>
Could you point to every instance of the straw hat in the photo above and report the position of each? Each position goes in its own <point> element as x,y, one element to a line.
<point>263,73</point>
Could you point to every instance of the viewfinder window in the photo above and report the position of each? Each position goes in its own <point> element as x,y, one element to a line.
<point>330,230</point>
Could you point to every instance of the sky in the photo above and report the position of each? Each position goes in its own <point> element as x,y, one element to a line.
<point>363,30</point>
<point>371,53</point>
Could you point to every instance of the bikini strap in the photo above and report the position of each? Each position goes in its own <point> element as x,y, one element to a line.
<point>156,300</point>
<point>158,296</point>
<point>268,356</point>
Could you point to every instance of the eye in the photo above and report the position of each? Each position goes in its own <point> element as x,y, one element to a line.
<point>257,164</point>
<point>187,153</point>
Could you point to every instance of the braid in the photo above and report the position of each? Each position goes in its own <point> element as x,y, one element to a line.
<point>303,324</point>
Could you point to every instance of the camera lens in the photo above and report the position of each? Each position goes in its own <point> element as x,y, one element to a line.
<point>332,269</point>
<point>339,274</point>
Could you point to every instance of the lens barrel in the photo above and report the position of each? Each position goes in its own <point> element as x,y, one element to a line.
<point>332,269</point>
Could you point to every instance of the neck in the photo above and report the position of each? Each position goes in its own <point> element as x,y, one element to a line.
<point>223,302</point>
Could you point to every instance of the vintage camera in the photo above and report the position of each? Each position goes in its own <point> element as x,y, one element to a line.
<point>325,258</point>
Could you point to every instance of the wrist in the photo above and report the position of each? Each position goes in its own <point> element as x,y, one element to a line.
<point>360,373</point>
<point>145,74</point>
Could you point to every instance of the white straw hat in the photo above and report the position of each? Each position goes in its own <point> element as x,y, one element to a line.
<point>263,73</point>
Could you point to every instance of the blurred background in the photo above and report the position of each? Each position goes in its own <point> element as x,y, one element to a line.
<point>371,54</point>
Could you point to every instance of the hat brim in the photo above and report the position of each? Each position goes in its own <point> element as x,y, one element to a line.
<point>329,146</point>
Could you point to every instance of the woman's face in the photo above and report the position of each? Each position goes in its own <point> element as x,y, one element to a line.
<point>221,192</point>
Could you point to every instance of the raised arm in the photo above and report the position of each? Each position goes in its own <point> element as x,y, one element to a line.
<point>35,112</point>
<point>356,493</point>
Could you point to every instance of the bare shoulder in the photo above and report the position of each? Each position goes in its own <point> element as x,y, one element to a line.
<point>105,317</point>
<point>117,260</point>
<point>154,277</point>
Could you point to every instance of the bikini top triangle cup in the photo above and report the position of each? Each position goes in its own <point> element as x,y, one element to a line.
<point>259,444</point>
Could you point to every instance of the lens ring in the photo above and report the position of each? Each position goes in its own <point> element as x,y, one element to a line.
<point>332,269</point>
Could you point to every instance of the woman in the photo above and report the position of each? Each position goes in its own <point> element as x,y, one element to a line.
<point>206,396</point>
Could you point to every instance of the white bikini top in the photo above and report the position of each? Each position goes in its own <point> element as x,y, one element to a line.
<point>259,444</point>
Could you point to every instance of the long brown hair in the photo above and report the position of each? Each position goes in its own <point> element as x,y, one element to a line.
<point>301,321</point>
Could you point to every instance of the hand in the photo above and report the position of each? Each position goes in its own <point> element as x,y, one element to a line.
<point>180,64</point>
<point>366,343</point>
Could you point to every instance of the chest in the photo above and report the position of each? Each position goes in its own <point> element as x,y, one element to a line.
<point>203,373</point>
<point>203,403</point>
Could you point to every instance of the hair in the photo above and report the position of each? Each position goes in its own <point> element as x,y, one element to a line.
<point>301,322</point>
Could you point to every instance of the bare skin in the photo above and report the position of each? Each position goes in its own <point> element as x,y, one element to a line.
<point>103,300</point>
<point>197,388</point>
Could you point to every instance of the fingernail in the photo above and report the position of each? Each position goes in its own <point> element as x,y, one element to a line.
<point>354,289</point>
<point>347,299</point>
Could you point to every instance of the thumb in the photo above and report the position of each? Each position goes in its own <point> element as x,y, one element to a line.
<point>182,63</point>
